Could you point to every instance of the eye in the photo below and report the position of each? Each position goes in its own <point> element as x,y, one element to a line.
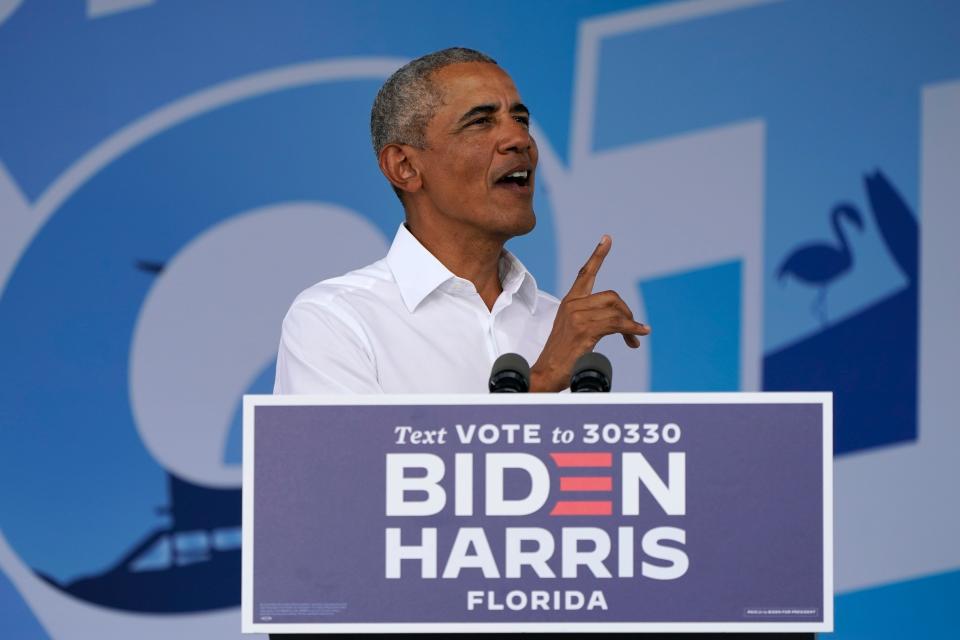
<point>524,120</point>
<point>481,120</point>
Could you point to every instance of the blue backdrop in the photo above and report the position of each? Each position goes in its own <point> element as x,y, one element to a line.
<point>780,178</point>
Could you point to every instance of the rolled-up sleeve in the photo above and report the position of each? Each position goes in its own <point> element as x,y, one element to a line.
<point>324,350</point>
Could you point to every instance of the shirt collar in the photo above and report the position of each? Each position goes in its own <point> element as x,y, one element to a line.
<point>418,272</point>
<point>516,280</point>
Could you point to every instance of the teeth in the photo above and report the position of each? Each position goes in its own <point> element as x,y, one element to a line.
<point>518,174</point>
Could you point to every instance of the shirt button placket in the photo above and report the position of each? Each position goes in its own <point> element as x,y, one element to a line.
<point>492,336</point>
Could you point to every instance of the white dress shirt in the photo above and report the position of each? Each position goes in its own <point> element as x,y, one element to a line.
<point>406,324</point>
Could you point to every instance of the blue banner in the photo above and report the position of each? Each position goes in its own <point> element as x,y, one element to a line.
<point>623,513</point>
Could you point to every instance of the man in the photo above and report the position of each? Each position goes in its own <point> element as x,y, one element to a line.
<point>453,139</point>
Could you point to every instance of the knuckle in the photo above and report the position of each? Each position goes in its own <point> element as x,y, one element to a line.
<point>610,297</point>
<point>580,320</point>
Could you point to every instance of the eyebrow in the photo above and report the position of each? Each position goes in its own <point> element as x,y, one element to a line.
<point>488,109</point>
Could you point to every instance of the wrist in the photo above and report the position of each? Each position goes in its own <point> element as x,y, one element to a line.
<point>542,381</point>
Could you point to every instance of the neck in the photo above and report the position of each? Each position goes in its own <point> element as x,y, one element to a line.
<point>467,252</point>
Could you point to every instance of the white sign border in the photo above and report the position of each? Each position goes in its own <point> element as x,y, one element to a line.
<point>250,402</point>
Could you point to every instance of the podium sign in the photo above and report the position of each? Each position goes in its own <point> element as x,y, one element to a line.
<point>539,513</point>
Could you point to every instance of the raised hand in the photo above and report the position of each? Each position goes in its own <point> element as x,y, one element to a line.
<point>582,319</point>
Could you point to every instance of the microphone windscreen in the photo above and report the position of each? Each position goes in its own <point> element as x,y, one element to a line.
<point>591,372</point>
<point>512,362</point>
<point>510,373</point>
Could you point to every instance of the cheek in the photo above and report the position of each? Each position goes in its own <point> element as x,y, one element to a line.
<point>470,166</point>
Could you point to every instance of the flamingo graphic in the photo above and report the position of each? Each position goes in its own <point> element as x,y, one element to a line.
<point>820,264</point>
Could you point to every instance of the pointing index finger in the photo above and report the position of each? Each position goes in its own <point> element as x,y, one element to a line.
<point>583,285</point>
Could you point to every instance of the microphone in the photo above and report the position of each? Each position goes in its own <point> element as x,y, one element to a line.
<point>592,373</point>
<point>510,374</point>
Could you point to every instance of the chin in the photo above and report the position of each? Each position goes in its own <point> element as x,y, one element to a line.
<point>520,224</point>
<point>529,223</point>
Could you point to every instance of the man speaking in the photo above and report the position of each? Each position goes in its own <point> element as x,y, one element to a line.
<point>453,138</point>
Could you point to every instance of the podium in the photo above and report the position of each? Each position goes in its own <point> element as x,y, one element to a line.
<point>538,513</point>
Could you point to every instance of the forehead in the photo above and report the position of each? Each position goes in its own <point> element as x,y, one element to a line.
<point>467,84</point>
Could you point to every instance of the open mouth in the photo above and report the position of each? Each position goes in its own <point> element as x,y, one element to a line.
<point>516,179</point>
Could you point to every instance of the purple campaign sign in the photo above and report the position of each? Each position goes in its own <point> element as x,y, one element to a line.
<point>621,512</point>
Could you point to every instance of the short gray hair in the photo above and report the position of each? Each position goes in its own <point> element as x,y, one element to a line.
<point>408,100</point>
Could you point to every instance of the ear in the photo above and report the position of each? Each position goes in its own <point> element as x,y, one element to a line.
<point>398,164</point>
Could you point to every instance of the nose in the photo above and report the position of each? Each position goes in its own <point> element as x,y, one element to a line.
<point>515,138</point>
